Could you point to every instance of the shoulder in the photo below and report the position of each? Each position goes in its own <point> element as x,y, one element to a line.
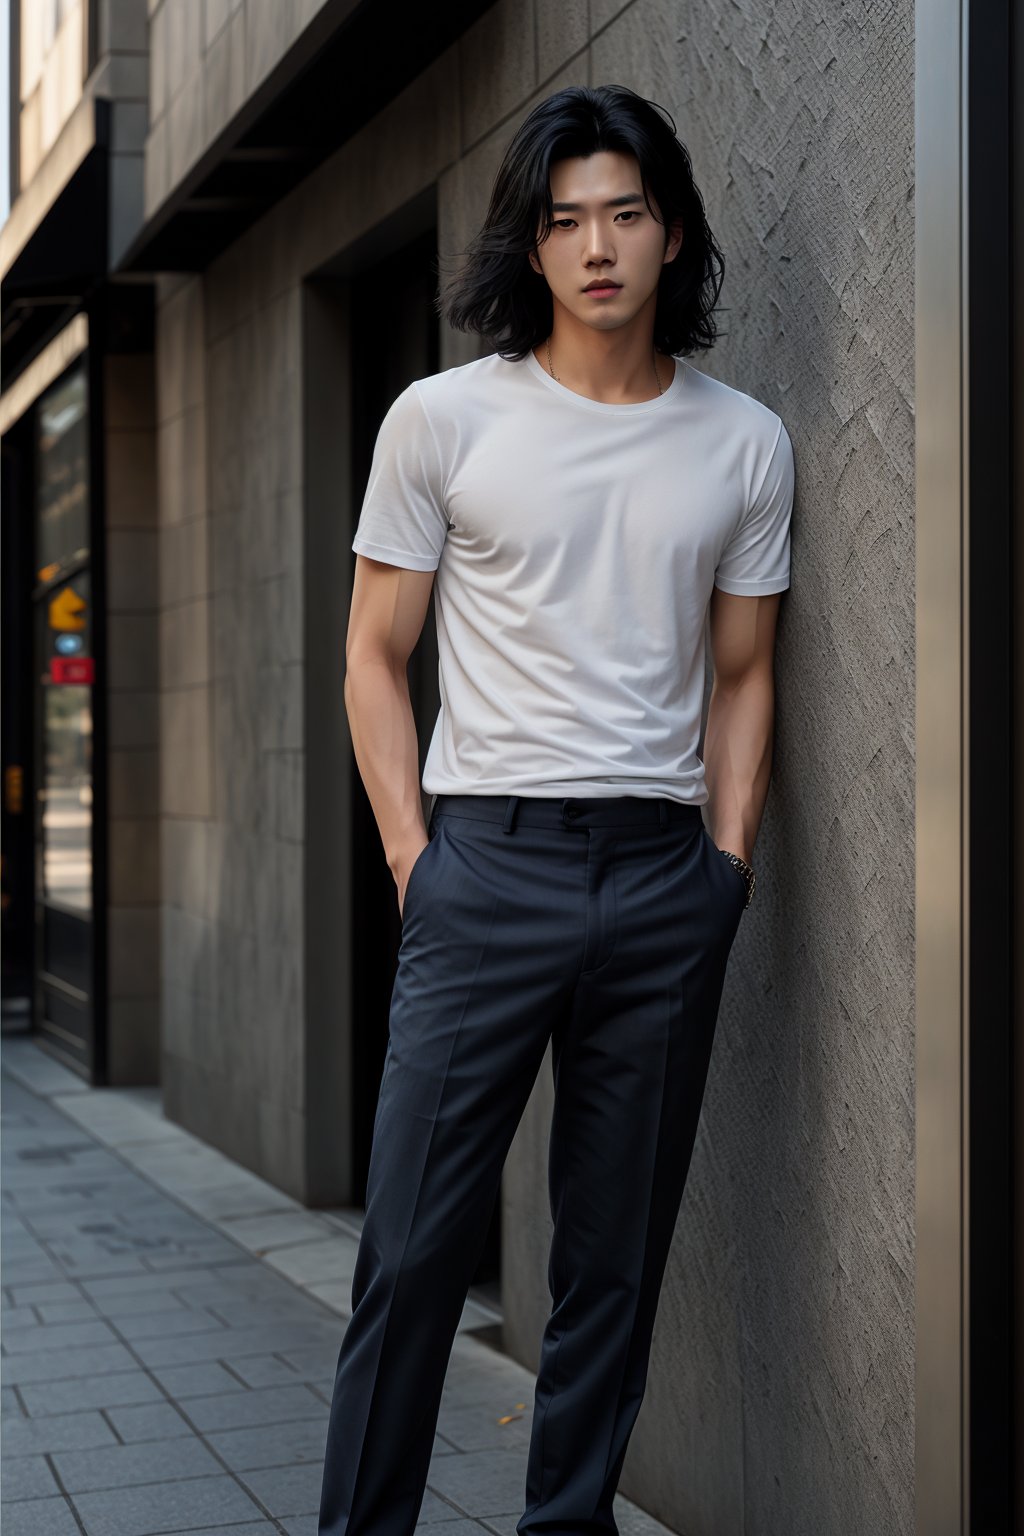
<point>737,412</point>
<point>452,388</point>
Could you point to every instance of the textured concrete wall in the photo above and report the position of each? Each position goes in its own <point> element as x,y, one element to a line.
<point>780,1398</point>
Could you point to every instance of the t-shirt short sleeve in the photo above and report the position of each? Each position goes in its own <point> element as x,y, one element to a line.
<point>403,519</point>
<point>756,558</point>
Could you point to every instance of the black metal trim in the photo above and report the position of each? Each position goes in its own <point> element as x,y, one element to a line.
<point>95,359</point>
<point>991,809</point>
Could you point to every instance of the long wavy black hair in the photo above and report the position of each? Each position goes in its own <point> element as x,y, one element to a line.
<point>497,293</point>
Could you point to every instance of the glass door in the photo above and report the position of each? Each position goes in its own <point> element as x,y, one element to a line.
<point>64,680</point>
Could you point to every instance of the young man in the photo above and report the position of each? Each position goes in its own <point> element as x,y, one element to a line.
<point>579,502</point>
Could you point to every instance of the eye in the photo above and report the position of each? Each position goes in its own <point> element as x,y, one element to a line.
<point>627,213</point>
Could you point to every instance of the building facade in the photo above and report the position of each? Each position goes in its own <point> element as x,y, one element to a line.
<point>219,267</point>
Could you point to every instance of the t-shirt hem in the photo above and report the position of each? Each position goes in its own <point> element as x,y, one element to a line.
<point>581,789</point>
<point>751,588</point>
<point>400,557</point>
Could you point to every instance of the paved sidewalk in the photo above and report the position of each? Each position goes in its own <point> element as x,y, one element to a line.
<point>170,1330</point>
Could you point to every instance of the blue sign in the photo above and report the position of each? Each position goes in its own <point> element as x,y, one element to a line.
<point>68,645</point>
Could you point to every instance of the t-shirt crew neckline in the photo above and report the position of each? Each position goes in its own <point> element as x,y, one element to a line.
<point>610,408</point>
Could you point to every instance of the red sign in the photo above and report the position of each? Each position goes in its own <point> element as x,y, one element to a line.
<point>72,669</point>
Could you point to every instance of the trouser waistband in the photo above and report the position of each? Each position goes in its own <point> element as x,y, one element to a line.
<point>568,811</point>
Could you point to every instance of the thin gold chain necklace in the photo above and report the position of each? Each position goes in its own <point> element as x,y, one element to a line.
<point>554,375</point>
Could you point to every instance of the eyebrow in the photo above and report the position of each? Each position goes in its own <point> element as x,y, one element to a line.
<point>613,202</point>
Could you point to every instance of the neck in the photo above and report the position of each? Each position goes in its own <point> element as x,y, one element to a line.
<point>619,367</point>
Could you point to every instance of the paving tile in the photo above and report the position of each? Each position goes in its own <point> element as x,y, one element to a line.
<point>169,1324</point>
<point>121,1466</point>
<point>286,1490</point>
<point>314,1363</point>
<point>66,1311</point>
<point>143,1282</point>
<point>244,1410</point>
<point>51,1336</point>
<point>221,1202</point>
<point>27,1477</point>
<point>250,1528</point>
<point>151,1509</point>
<point>206,1251</point>
<point>85,1392</point>
<point>16,1319</point>
<point>480,1427</point>
<point>313,1263</point>
<point>207,1379</point>
<point>480,1483</point>
<point>435,1512</point>
<point>56,1432</point>
<point>336,1294</point>
<point>40,1517</point>
<point>276,1229</point>
<point>229,1343</point>
<point>117,1308</point>
<point>33,1069</point>
<point>95,1264</point>
<point>263,1371</point>
<point>245,1283</point>
<point>272,1445</point>
<point>501,1525</point>
<point>65,1364</point>
<point>148,1421</point>
<point>32,1295</point>
<point>461,1526</point>
<point>25,1277</point>
<point>248,1312</point>
<point>114,1121</point>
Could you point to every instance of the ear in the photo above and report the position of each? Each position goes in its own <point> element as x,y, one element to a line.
<point>535,263</point>
<point>675,240</point>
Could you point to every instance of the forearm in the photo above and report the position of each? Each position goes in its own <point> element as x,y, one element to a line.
<point>384,740</point>
<point>738,759</point>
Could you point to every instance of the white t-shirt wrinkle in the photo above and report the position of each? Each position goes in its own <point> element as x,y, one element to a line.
<point>576,544</point>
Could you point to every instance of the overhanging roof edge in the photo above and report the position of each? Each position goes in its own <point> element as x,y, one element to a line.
<point>332,16</point>
<point>87,129</point>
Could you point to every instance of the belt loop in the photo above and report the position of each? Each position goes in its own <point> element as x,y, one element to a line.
<point>510,813</point>
<point>663,814</point>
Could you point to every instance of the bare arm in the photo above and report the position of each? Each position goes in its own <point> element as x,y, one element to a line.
<point>389,605</point>
<point>741,717</point>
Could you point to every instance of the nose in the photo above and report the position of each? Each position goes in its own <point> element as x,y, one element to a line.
<point>598,244</point>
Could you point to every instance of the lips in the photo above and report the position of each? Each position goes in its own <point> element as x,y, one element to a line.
<point>601,282</point>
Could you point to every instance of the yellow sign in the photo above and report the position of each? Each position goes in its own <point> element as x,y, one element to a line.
<point>67,610</point>
<point>13,789</point>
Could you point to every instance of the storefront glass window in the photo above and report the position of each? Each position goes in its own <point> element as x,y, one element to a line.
<point>62,478</point>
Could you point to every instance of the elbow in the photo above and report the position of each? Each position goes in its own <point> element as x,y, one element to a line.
<point>374,665</point>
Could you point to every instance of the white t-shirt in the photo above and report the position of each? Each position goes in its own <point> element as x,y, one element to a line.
<point>576,544</point>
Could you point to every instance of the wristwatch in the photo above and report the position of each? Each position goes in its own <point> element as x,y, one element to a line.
<point>744,869</point>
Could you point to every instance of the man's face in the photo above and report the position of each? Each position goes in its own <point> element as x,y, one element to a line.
<point>602,230</point>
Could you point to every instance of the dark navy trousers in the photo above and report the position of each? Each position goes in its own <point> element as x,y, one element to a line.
<point>604,926</point>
